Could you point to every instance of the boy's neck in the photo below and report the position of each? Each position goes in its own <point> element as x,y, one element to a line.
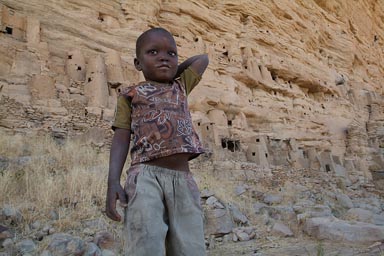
<point>159,83</point>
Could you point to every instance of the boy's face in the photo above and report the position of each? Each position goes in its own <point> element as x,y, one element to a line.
<point>157,57</point>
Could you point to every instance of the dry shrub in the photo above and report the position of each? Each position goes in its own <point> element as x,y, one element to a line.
<point>42,175</point>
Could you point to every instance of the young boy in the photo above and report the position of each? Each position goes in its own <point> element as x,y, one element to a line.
<point>161,199</point>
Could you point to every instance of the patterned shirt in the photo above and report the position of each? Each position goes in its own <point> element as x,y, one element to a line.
<point>159,118</point>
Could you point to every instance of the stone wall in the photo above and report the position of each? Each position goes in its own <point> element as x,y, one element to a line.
<point>296,83</point>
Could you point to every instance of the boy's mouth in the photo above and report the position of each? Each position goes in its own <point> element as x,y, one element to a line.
<point>164,66</point>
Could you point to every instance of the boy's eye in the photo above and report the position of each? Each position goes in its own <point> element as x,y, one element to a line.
<point>173,54</point>
<point>152,51</point>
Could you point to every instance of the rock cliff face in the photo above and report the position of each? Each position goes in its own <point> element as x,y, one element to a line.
<point>291,108</point>
<point>296,83</point>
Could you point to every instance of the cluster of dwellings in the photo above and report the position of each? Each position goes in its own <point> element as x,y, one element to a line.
<point>27,28</point>
<point>364,148</point>
<point>96,77</point>
<point>100,76</point>
<point>264,150</point>
<point>18,26</point>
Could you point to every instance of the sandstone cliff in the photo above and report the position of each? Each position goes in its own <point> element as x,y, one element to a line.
<point>289,82</point>
<point>291,108</point>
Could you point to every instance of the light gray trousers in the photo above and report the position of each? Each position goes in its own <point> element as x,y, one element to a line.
<point>164,215</point>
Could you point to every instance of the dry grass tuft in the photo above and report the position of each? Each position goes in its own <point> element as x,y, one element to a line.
<point>40,176</point>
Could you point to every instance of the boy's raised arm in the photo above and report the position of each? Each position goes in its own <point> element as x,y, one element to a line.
<point>198,63</point>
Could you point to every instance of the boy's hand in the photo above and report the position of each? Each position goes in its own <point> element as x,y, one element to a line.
<point>115,192</point>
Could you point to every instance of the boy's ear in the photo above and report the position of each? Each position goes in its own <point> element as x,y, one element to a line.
<point>137,64</point>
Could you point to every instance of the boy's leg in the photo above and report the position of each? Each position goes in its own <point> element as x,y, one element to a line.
<point>145,229</point>
<point>186,233</point>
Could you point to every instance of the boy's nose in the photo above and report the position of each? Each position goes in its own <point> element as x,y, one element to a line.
<point>163,57</point>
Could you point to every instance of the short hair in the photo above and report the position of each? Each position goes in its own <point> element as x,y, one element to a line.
<point>142,37</point>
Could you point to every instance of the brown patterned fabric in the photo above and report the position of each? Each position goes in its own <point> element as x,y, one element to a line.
<point>160,121</point>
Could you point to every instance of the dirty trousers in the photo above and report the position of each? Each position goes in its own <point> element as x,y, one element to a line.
<point>164,215</point>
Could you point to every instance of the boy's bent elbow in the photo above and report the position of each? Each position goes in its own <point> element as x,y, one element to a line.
<point>205,58</point>
<point>201,63</point>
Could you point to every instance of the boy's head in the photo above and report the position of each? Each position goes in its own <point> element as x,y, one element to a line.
<point>156,55</point>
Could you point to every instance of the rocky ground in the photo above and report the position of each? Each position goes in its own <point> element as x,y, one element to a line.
<point>248,211</point>
<point>298,212</point>
<point>295,247</point>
